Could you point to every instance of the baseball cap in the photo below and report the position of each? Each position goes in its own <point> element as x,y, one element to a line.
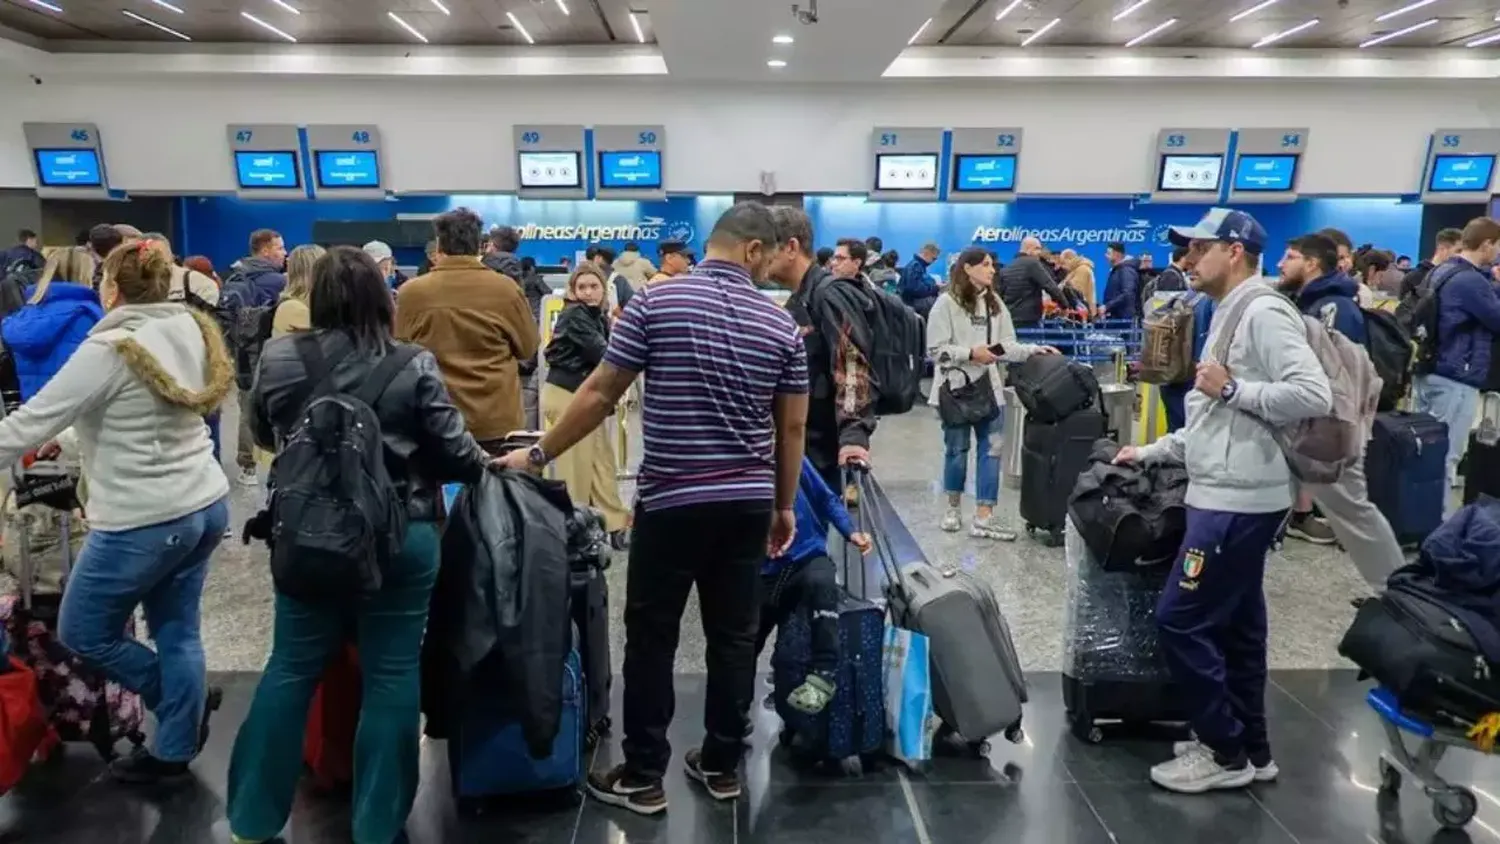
<point>1223,224</point>
<point>378,250</point>
<point>671,247</point>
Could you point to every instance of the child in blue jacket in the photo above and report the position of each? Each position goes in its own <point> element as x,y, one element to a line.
<point>803,579</point>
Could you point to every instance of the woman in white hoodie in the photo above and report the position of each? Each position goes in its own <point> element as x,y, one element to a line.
<point>132,399</point>
<point>968,331</point>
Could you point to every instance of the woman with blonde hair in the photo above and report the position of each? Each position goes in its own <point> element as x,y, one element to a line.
<point>292,313</point>
<point>60,311</point>
<point>590,469</point>
<point>132,400</point>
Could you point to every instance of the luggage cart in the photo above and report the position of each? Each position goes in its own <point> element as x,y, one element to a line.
<point>1452,805</point>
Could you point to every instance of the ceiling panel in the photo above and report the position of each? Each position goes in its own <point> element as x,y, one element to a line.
<point>1206,23</point>
<point>467,22</point>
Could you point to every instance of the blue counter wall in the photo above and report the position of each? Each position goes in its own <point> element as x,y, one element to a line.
<point>219,226</point>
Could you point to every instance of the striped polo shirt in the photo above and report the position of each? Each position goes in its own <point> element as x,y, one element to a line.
<point>715,351</point>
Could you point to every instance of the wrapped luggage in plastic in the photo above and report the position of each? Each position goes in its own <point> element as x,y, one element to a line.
<point>1112,663</point>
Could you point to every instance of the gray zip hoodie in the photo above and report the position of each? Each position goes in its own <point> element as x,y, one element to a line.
<point>1233,463</point>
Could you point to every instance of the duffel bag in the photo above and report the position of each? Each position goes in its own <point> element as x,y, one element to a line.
<point>1053,387</point>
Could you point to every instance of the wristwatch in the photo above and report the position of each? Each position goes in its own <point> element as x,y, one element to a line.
<point>1227,394</point>
<point>537,457</point>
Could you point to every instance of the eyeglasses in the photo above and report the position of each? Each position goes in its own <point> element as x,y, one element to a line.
<point>843,257</point>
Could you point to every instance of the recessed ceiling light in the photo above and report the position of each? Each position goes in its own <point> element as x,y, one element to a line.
<point>1484,39</point>
<point>1404,9</point>
<point>1285,33</point>
<point>149,22</point>
<point>263,25</point>
<point>1040,32</point>
<point>918,34</point>
<point>1011,7</point>
<point>168,6</point>
<point>48,6</point>
<point>635,23</point>
<point>1265,4</point>
<point>783,39</point>
<point>285,5</point>
<point>408,27</point>
<point>563,7</point>
<point>775,63</point>
<point>1151,33</point>
<point>521,29</point>
<point>1131,9</point>
<point>1381,39</point>
<point>441,7</point>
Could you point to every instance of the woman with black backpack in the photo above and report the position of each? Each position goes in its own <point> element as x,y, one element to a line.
<point>400,391</point>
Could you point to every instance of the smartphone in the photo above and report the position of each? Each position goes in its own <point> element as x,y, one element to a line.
<point>998,350</point>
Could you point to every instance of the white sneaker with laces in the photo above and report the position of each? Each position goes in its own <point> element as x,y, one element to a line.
<point>249,477</point>
<point>1263,773</point>
<point>953,521</point>
<point>1196,772</point>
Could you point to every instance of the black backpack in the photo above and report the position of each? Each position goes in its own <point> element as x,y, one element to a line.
<point>1054,387</point>
<point>896,347</point>
<point>1391,351</point>
<point>336,518</point>
<point>13,284</point>
<point>1424,319</point>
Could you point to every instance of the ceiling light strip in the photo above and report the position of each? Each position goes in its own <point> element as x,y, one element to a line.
<point>783,39</point>
<point>918,34</point>
<point>1040,32</point>
<point>168,6</point>
<point>1008,9</point>
<point>776,63</point>
<point>1410,7</point>
<point>1484,40</point>
<point>1398,33</point>
<point>48,6</point>
<point>441,7</point>
<point>1259,7</point>
<point>563,7</point>
<point>149,22</point>
<point>408,27</point>
<point>635,23</point>
<point>1151,33</point>
<point>263,25</point>
<point>1285,33</point>
<point>515,22</point>
<point>1131,9</point>
<point>285,5</point>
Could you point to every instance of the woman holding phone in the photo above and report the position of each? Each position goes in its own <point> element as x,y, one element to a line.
<point>968,332</point>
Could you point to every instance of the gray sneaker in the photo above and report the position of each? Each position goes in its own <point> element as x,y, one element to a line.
<point>1310,529</point>
<point>1267,771</point>
<point>953,521</point>
<point>990,529</point>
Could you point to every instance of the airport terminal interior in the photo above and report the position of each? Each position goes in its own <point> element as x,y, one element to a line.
<point>1088,127</point>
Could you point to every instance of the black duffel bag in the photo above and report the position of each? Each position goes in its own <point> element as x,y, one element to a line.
<point>1129,516</point>
<point>1053,387</point>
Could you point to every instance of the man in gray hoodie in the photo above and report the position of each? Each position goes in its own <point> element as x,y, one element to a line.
<point>1212,613</point>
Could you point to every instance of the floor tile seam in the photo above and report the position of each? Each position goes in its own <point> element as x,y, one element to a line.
<point>1094,810</point>
<point>1272,815</point>
<point>1297,700</point>
<point>919,825</point>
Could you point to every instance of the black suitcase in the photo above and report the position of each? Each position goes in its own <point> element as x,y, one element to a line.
<point>588,550</point>
<point>1406,472</point>
<point>1052,456</point>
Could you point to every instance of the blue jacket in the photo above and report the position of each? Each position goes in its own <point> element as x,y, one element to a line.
<point>43,336</point>
<point>1333,300</point>
<point>1468,319</point>
<point>1203,319</point>
<point>817,507</point>
<point>256,284</point>
<point>916,285</point>
<point>21,252</point>
<point>1459,568</point>
<point>1120,289</point>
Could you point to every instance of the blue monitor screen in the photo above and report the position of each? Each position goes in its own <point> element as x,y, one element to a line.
<point>1266,173</point>
<point>348,169</point>
<point>267,170</point>
<point>985,173</point>
<point>1461,173</point>
<point>638,170</point>
<point>68,168</point>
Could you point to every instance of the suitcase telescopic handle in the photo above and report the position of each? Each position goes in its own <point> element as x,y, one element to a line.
<point>872,523</point>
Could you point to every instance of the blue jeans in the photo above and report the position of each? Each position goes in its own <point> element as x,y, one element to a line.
<point>1174,399</point>
<point>956,442</point>
<point>162,568</point>
<point>1453,404</point>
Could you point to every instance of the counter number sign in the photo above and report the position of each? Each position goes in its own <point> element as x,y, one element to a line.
<point>1005,141</point>
<point>648,139</point>
<point>1452,141</point>
<point>80,135</point>
<point>888,139</point>
<point>531,137</point>
<point>1177,140</point>
<point>1291,141</point>
<point>243,136</point>
<point>360,137</point>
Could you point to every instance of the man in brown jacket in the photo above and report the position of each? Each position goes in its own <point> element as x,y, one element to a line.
<point>477,323</point>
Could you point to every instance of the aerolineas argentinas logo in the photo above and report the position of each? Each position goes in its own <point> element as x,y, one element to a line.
<point>1135,231</point>
<point>648,229</point>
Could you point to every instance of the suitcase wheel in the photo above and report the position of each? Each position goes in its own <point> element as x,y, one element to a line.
<point>1014,734</point>
<point>1084,728</point>
<point>852,766</point>
<point>979,749</point>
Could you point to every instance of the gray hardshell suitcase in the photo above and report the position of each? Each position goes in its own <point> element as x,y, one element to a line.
<point>978,687</point>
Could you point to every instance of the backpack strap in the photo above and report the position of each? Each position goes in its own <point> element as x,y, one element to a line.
<point>319,368</point>
<point>1231,323</point>
<point>385,372</point>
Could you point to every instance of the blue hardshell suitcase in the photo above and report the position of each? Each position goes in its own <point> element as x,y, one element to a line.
<point>853,724</point>
<point>1406,471</point>
<point>488,756</point>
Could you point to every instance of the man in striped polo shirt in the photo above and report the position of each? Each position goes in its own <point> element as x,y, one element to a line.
<point>724,419</point>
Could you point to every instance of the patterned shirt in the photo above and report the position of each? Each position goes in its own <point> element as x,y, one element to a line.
<point>716,352</point>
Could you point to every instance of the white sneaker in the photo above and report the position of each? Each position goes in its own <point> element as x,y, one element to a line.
<point>248,477</point>
<point>990,529</point>
<point>1196,772</point>
<point>953,521</point>
<point>1263,773</point>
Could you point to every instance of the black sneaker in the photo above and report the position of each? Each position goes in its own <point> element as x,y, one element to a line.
<point>211,704</point>
<point>141,768</point>
<point>617,787</point>
<point>720,786</point>
<point>1311,529</point>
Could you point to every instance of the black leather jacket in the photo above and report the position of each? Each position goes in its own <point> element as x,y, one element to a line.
<point>426,441</point>
<point>1021,284</point>
<point>578,343</point>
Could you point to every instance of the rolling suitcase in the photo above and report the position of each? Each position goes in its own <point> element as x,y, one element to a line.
<point>1481,463</point>
<point>1405,471</point>
<point>590,609</point>
<point>1053,455</point>
<point>977,684</point>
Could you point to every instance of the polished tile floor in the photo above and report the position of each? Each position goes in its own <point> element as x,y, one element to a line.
<point>1050,789</point>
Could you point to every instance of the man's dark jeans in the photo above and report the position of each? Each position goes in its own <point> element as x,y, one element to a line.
<point>719,548</point>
